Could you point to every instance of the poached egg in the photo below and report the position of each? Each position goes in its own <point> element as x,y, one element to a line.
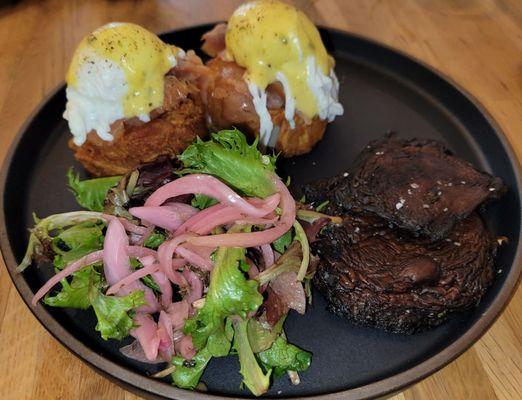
<point>276,42</point>
<point>116,72</point>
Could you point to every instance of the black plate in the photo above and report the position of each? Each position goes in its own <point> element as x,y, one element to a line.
<point>381,90</point>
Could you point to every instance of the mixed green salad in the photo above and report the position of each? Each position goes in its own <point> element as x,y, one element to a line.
<point>196,258</point>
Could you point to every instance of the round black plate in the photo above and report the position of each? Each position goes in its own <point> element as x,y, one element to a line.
<point>381,90</point>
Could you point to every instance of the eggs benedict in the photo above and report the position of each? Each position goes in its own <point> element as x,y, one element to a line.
<point>126,101</point>
<point>272,76</point>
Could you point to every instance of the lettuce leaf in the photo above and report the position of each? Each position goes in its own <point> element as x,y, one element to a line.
<point>202,201</point>
<point>228,156</point>
<point>154,240</point>
<point>76,293</point>
<point>282,243</point>
<point>147,280</point>
<point>90,193</point>
<point>253,376</point>
<point>261,335</point>
<point>229,293</point>
<point>223,318</point>
<point>283,357</point>
<point>188,372</point>
<point>113,312</point>
<point>77,241</point>
<point>85,286</point>
<point>40,240</point>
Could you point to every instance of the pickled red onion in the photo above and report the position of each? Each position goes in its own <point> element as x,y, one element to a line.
<point>116,262</point>
<point>147,335</point>
<point>198,217</point>
<point>196,286</point>
<point>254,238</point>
<point>128,225</point>
<point>138,251</point>
<point>218,218</point>
<point>178,313</point>
<point>166,288</point>
<point>194,258</point>
<point>89,259</point>
<point>141,239</point>
<point>207,185</point>
<point>170,216</point>
<point>205,221</point>
<point>166,344</point>
<point>165,254</point>
<point>116,265</point>
<point>256,221</point>
<point>138,274</point>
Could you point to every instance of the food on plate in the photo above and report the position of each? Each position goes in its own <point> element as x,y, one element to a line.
<point>410,249</point>
<point>195,249</point>
<point>417,185</point>
<point>384,277</point>
<point>271,76</point>
<point>195,260</point>
<point>129,99</point>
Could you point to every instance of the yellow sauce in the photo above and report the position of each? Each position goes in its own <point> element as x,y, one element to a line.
<point>267,37</point>
<point>140,54</point>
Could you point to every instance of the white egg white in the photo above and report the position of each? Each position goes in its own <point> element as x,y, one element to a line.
<point>265,120</point>
<point>97,99</point>
<point>325,89</point>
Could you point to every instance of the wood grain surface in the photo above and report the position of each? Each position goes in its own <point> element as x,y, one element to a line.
<point>478,43</point>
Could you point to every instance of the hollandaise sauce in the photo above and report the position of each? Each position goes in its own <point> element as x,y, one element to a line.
<point>141,55</point>
<point>269,37</point>
<point>274,41</point>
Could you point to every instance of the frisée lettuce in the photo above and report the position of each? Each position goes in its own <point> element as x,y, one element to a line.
<point>228,156</point>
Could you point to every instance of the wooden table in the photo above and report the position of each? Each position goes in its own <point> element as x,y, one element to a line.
<point>478,43</point>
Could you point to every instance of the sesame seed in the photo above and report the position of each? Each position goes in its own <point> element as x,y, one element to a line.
<point>414,185</point>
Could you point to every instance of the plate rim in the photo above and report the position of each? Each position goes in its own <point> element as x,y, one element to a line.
<point>145,385</point>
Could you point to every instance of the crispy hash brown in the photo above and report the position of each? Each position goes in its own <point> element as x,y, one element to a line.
<point>171,129</point>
